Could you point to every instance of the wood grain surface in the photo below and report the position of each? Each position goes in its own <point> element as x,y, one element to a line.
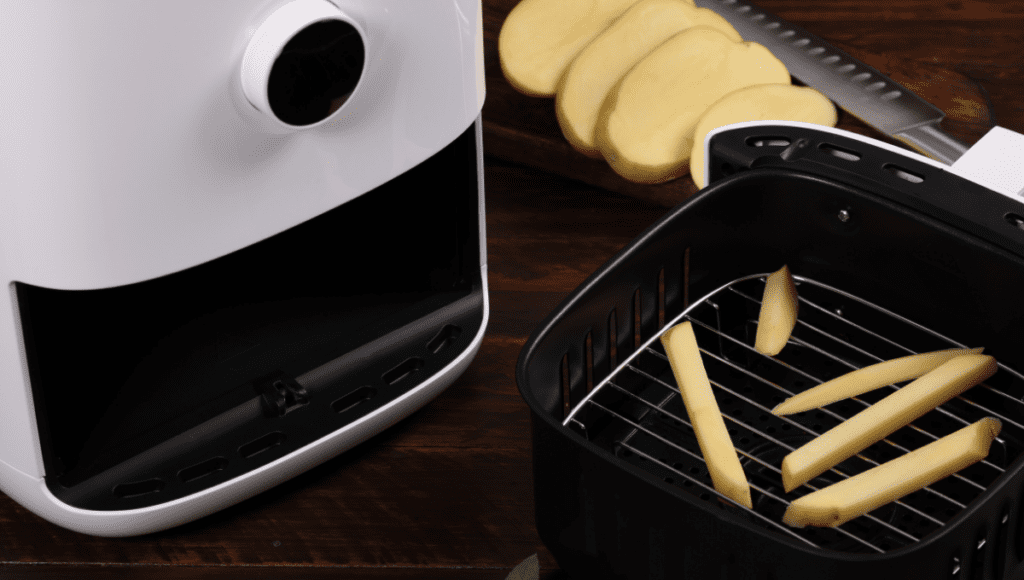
<point>447,493</point>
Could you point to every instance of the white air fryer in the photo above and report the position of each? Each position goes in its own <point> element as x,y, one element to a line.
<point>238,238</point>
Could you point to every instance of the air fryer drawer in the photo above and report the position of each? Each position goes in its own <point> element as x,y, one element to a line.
<point>120,372</point>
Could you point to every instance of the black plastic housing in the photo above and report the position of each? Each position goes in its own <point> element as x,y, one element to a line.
<point>152,391</point>
<point>926,244</point>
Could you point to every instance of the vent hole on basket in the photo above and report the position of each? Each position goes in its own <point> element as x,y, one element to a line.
<point>1014,220</point>
<point>1001,548</point>
<point>137,488</point>
<point>903,173</point>
<point>839,152</point>
<point>978,558</point>
<point>403,370</point>
<point>202,469</point>
<point>444,338</point>
<point>257,446</point>
<point>768,142</point>
<point>353,399</point>
<point>954,571</point>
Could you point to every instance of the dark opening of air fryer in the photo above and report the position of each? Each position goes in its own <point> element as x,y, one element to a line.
<point>154,390</point>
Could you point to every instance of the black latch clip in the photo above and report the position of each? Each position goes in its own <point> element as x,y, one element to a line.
<point>281,394</point>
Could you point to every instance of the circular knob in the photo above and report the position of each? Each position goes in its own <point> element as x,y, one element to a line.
<point>303,63</point>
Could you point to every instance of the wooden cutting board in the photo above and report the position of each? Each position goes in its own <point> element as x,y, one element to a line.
<point>525,130</point>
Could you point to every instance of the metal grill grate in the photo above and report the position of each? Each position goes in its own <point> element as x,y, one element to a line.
<point>638,414</point>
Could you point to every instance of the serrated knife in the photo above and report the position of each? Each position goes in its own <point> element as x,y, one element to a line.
<point>857,88</point>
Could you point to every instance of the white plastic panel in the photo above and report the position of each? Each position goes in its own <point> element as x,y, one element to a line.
<point>995,161</point>
<point>129,150</point>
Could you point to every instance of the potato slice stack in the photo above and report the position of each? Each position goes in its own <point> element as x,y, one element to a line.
<point>641,83</point>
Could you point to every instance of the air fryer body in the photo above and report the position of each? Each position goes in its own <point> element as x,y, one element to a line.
<point>205,296</point>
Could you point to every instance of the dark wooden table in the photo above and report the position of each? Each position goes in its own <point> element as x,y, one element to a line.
<point>447,493</point>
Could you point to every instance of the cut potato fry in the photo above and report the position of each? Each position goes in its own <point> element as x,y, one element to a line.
<point>884,417</point>
<point>712,436</point>
<point>868,379</point>
<point>759,103</point>
<point>645,127</point>
<point>604,61</point>
<point>779,307</point>
<point>541,37</point>
<point>862,493</point>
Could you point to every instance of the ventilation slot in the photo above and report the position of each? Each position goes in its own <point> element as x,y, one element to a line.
<point>408,367</point>
<point>903,173</point>
<point>978,559</point>
<point>137,488</point>
<point>444,338</point>
<point>768,142</point>
<point>1002,547</point>
<point>353,399</point>
<point>1014,220</point>
<point>254,448</point>
<point>202,469</point>
<point>839,152</point>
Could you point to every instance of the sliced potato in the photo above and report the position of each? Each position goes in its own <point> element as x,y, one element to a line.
<point>541,37</point>
<point>702,409</point>
<point>884,417</point>
<point>645,126</point>
<point>783,102</point>
<point>868,379</point>
<point>612,53</point>
<point>862,493</point>
<point>779,307</point>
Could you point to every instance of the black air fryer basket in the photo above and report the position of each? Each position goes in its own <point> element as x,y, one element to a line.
<point>892,256</point>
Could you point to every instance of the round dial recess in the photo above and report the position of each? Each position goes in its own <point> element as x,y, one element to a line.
<point>304,62</point>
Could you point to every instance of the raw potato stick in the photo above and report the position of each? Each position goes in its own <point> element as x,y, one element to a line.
<point>777,318</point>
<point>868,379</point>
<point>860,494</point>
<point>884,417</point>
<point>712,436</point>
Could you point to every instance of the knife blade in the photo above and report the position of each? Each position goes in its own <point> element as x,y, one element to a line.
<point>857,88</point>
